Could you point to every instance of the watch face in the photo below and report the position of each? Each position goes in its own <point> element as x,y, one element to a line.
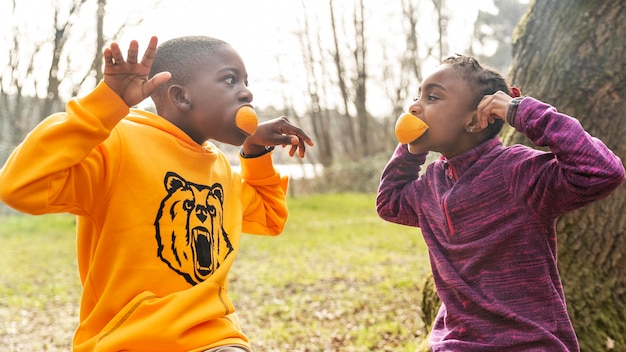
<point>511,110</point>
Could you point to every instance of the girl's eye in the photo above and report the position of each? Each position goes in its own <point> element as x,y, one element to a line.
<point>230,79</point>
<point>430,97</point>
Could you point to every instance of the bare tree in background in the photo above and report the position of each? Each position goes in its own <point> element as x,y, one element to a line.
<point>96,70</point>
<point>442,27</point>
<point>99,59</point>
<point>20,81</point>
<point>496,31</point>
<point>62,26</point>
<point>349,134</point>
<point>14,77</point>
<point>360,81</point>
<point>402,76</point>
<point>21,109</point>
<point>337,131</point>
<point>353,132</point>
<point>319,115</point>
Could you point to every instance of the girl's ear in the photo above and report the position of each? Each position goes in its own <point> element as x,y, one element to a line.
<point>177,95</point>
<point>472,125</point>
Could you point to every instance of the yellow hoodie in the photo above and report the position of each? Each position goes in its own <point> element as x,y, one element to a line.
<point>159,221</point>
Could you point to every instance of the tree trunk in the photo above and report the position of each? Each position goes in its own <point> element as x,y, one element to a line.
<point>318,114</point>
<point>99,41</point>
<point>442,28</point>
<point>572,55</point>
<point>360,82</point>
<point>63,24</point>
<point>347,127</point>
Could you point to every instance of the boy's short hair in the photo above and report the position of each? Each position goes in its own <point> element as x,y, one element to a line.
<point>482,80</point>
<point>181,57</point>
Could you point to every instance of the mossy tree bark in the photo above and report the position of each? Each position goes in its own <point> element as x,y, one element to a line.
<point>572,55</point>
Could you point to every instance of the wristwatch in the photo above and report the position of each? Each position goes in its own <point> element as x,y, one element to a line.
<point>267,150</point>
<point>512,109</point>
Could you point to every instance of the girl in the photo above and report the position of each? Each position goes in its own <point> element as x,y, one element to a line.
<point>488,212</point>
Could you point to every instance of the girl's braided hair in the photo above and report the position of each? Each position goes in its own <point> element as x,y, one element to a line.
<point>482,80</point>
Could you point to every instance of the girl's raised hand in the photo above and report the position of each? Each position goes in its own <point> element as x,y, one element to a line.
<point>492,107</point>
<point>129,78</point>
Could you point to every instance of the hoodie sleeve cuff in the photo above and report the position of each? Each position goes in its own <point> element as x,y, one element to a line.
<point>257,168</point>
<point>105,104</point>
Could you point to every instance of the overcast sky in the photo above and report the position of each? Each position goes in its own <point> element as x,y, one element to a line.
<point>262,31</point>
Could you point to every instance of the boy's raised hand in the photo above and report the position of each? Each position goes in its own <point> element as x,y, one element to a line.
<point>278,131</point>
<point>129,78</point>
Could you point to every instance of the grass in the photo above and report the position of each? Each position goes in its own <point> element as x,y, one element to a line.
<point>337,279</point>
<point>39,287</point>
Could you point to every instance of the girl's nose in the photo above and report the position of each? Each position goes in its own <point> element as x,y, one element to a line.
<point>415,108</point>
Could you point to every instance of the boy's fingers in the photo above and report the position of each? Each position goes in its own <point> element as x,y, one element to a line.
<point>108,57</point>
<point>152,84</point>
<point>133,52</point>
<point>302,137</point>
<point>148,56</point>
<point>116,53</point>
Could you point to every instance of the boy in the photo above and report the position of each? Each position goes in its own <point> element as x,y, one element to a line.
<point>160,211</point>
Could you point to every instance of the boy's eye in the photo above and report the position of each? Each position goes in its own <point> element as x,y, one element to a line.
<point>431,97</point>
<point>230,79</point>
<point>416,98</point>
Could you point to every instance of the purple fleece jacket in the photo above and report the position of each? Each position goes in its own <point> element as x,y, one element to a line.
<point>488,217</point>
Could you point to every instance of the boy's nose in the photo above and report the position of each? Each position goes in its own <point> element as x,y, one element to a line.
<point>246,95</point>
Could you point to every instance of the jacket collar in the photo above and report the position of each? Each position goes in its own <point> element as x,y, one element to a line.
<point>457,165</point>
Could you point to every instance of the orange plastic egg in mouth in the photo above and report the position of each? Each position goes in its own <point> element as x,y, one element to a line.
<point>409,128</point>
<point>246,120</point>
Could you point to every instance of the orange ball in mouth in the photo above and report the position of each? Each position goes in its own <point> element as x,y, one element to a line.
<point>409,128</point>
<point>246,119</point>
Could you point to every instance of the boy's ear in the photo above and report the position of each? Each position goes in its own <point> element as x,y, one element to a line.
<point>177,95</point>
